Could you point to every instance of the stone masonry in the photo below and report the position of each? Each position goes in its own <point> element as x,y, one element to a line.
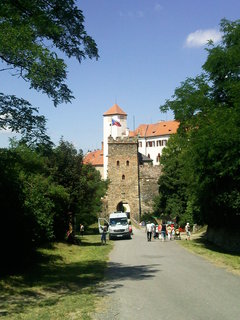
<point>148,176</point>
<point>123,173</point>
<point>131,183</point>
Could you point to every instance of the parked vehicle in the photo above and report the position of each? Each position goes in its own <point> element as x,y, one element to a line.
<point>118,226</point>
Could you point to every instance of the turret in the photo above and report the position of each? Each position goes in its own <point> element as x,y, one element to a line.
<point>114,125</point>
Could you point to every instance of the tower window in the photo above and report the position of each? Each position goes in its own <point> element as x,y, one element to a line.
<point>118,163</point>
<point>123,177</point>
<point>127,163</point>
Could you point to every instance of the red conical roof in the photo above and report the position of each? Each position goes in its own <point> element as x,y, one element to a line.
<point>115,109</point>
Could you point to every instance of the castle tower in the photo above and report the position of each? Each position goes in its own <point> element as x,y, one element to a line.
<point>114,125</point>
<point>123,173</point>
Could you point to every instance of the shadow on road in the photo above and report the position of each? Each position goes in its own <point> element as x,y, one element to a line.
<point>117,272</point>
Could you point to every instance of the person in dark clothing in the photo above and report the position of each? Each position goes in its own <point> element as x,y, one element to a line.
<point>163,232</point>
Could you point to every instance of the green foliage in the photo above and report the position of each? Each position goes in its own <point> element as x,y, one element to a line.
<point>32,35</point>
<point>29,32</point>
<point>83,182</point>
<point>90,204</point>
<point>223,65</point>
<point>19,116</point>
<point>172,184</point>
<point>38,189</point>
<point>200,181</point>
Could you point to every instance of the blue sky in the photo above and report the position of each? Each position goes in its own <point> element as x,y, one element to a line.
<point>146,47</point>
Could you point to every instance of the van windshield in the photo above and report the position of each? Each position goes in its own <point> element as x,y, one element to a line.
<point>116,221</point>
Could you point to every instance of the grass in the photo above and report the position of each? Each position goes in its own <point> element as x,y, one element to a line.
<point>61,284</point>
<point>215,254</point>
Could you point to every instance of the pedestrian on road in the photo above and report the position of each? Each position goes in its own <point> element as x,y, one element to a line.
<point>104,233</point>
<point>188,233</point>
<point>169,232</point>
<point>163,232</point>
<point>149,229</point>
<point>159,231</point>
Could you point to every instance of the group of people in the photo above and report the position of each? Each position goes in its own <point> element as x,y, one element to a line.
<point>160,231</point>
<point>164,231</point>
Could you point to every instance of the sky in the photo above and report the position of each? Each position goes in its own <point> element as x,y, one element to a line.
<point>146,48</point>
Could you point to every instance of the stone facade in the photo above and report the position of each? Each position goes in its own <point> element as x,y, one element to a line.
<point>123,173</point>
<point>148,177</point>
<point>132,184</point>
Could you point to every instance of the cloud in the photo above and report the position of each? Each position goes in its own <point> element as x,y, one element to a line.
<point>200,37</point>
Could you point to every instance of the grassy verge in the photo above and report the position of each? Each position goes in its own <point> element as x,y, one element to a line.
<point>218,256</point>
<point>61,285</point>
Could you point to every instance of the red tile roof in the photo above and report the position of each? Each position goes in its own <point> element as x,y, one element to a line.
<point>115,109</point>
<point>156,129</point>
<point>94,158</point>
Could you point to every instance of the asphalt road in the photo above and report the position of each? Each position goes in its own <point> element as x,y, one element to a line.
<point>161,280</point>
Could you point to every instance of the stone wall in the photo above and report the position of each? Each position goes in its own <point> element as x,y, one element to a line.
<point>148,175</point>
<point>224,238</point>
<point>123,174</point>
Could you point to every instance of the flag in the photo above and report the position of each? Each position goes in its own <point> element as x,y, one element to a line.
<point>116,123</point>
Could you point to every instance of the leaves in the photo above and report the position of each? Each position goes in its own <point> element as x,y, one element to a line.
<point>201,163</point>
<point>29,32</point>
<point>19,116</point>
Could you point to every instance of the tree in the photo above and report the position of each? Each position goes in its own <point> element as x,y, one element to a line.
<point>32,33</point>
<point>18,115</point>
<point>83,182</point>
<point>209,136</point>
<point>31,203</point>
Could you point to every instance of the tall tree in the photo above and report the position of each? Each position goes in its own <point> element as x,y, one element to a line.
<point>32,33</point>
<point>83,182</point>
<point>208,108</point>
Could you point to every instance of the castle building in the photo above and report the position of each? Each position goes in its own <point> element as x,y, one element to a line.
<point>130,160</point>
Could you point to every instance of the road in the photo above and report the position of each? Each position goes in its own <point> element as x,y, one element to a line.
<point>161,280</point>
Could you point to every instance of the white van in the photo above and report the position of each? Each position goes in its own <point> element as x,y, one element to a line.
<point>118,226</point>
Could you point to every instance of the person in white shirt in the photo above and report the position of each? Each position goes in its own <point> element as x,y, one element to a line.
<point>188,233</point>
<point>149,230</point>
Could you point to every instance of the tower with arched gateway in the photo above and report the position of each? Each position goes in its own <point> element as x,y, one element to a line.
<point>130,161</point>
<point>123,173</point>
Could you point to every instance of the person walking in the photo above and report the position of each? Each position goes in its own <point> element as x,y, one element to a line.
<point>188,233</point>
<point>163,232</point>
<point>159,231</point>
<point>169,232</point>
<point>149,229</point>
<point>81,229</point>
<point>104,233</point>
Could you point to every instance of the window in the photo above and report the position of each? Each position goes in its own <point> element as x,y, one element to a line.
<point>127,163</point>
<point>140,144</point>
<point>148,155</point>
<point>123,177</point>
<point>149,144</point>
<point>158,158</point>
<point>118,163</point>
<point>164,142</point>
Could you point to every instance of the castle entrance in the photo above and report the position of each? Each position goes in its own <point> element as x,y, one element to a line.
<point>124,207</point>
